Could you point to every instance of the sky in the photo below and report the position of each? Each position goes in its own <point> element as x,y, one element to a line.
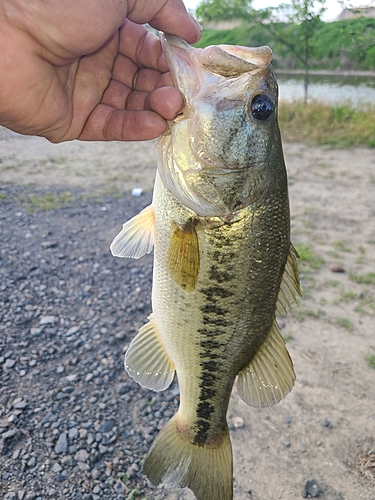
<point>333,7</point>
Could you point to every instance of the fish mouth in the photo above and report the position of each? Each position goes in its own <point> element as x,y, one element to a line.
<point>186,63</point>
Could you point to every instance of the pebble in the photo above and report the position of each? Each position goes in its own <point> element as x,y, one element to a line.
<point>120,335</point>
<point>285,442</point>
<point>81,456</point>
<point>47,320</point>
<point>131,471</point>
<point>311,489</point>
<point>11,495</point>
<point>73,433</point>
<point>326,423</point>
<point>107,426</point>
<point>72,331</point>
<point>236,423</point>
<point>62,444</point>
<point>57,467</point>
<point>9,364</point>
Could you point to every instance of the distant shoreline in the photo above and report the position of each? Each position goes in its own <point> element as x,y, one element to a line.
<point>325,72</point>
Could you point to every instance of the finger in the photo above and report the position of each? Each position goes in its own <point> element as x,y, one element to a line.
<point>142,47</point>
<point>128,73</point>
<point>170,16</point>
<point>148,80</point>
<point>166,101</point>
<point>108,124</point>
<point>116,95</point>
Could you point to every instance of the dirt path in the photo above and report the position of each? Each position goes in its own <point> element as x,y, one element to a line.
<point>325,429</point>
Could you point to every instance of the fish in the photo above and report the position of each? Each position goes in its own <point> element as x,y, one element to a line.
<point>224,266</point>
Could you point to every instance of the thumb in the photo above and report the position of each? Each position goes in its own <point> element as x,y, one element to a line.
<point>170,16</point>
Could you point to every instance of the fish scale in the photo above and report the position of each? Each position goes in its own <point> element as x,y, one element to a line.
<point>223,262</point>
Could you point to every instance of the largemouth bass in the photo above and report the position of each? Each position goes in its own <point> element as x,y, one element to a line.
<point>224,267</point>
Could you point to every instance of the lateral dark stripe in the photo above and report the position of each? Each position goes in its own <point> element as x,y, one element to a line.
<point>214,334</point>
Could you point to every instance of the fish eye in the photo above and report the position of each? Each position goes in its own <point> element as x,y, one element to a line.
<point>262,107</point>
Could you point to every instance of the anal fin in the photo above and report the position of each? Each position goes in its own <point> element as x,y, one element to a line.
<point>136,237</point>
<point>183,255</point>
<point>146,360</point>
<point>270,375</point>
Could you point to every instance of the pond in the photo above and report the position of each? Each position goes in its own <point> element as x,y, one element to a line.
<point>329,89</point>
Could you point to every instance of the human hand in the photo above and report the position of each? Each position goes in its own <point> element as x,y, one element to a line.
<point>88,69</point>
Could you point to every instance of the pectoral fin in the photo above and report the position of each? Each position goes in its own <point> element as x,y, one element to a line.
<point>183,256</point>
<point>270,374</point>
<point>146,360</point>
<point>136,237</point>
<point>290,286</point>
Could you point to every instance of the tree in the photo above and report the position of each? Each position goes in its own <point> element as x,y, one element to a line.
<point>303,19</point>
<point>224,10</point>
<point>362,38</point>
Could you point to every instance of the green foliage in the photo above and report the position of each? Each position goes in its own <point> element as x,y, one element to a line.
<point>352,38</point>
<point>223,10</point>
<point>249,37</point>
<point>346,44</point>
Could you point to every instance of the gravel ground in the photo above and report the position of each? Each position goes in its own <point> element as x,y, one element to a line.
<point>67,311</point>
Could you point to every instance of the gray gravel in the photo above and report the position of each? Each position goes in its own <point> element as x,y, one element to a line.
<point>73,425</point>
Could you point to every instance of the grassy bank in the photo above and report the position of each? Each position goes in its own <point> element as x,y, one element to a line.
<point>338,126</point>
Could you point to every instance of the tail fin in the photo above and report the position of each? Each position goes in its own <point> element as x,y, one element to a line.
<point>176,462</point>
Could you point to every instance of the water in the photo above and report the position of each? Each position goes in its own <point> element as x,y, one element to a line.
<point>329,89</point>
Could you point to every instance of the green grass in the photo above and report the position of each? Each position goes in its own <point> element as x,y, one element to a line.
<point>3,196</point>
<point>370,360</point>
<point>341,247</point>
<point>308,259</point>
<point>346,297</point>
<point>48,201</point>
<point>287,336</point>
<point>301,313</point>
<point>366,304</point>
<point>329,284</point>
<point>344,323</point>
<point>366,279</point>
<point>338,126</point>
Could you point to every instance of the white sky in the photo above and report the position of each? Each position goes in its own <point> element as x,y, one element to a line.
<point>333,7</point>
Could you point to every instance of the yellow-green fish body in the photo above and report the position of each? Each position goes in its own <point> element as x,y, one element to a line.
<point>223,265</point>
